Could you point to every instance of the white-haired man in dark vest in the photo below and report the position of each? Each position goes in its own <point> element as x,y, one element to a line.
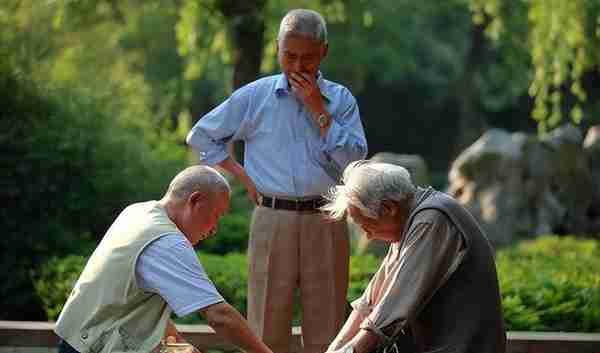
<point>437,287</point>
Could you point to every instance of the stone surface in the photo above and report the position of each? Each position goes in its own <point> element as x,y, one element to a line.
<point>519,185</point>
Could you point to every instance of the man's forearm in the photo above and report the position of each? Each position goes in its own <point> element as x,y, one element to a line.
<point>348,331</point>
<point>233,167</point>
<point>231,325</point>
<point>365,341</point>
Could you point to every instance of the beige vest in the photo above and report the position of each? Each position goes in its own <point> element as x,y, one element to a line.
<point>106,311</point>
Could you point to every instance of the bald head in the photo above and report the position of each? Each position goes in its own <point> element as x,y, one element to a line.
<point>196,178</point>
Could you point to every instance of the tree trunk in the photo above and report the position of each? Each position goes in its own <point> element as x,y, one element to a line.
<point>466,95</point>
<point>246,25</point>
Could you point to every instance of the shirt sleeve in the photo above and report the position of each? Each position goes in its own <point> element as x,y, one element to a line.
<point>209,136</point>
<point>433,249</point>
<point>364,304</point>
<point>170,268</point>
<point>345,140</point>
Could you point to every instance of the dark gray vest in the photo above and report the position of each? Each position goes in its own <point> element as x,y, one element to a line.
<point>465,313</point>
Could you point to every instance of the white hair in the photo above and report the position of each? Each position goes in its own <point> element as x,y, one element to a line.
<point>304,22</point>
<point>196,178</point>
<point>365,185</point>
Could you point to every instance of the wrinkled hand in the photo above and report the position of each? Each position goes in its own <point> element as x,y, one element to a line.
<point>306,88</point>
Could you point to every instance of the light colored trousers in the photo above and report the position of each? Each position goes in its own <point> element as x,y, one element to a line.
<point>288,250</point>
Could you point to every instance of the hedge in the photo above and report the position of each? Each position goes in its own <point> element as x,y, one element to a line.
<point>548,284</point>
<point>69,165</point>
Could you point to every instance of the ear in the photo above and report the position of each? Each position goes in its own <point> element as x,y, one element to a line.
<point>197,197</point>
<point>325,50</point>
<point>389,207</point>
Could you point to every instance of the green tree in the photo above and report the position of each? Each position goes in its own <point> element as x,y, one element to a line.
<point>562,39</point>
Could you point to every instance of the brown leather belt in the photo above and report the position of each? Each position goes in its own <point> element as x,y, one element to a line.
<point>292,205</point>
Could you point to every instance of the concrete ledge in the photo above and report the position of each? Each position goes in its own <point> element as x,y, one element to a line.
<point>40,334</point>
<point>553,342</point>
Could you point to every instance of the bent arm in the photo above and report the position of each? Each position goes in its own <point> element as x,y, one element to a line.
<point>362,341</point>
<point>225,123</point>
<point>352,333</point>
<point>345,141</point>
<point>230,324</point>
<point>233,167</point>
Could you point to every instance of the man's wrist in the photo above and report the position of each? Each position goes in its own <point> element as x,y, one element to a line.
<point>323,120</point>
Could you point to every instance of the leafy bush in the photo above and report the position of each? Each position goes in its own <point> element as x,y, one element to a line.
<point>71,167</point>
<point>549,284</point>
<point>232,235</point>
<point>362,268</point>
<point>229,273</point>
<point>55,281</point>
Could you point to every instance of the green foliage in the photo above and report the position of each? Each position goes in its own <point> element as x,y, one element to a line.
<point>73,165</point>
<point>563,42</point>
<point>362,268</point>
<point>548,284</point>
<point>232,234</point>
<point>55,280</point>
<point>229,273</point>
<point>551,284</point>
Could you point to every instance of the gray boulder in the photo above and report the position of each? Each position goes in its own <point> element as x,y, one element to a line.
<point>519,185</point>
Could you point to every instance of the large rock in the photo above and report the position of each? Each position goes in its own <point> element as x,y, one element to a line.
<point>519,185</point>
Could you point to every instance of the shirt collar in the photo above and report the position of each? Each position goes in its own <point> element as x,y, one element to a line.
<point>282,86</point>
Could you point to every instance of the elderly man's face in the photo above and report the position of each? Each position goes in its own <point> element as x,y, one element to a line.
<point>204,215</point>
<point>300,55</point>
<point>388,227</point>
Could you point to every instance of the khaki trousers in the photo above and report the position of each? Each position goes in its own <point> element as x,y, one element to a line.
<point>291,250</point>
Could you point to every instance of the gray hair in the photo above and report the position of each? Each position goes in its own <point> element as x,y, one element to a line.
<point>365,185</point>
<point>303,22</point>
<point>196,178</point>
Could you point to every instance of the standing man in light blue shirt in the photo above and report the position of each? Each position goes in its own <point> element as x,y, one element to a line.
<point>300,132</point>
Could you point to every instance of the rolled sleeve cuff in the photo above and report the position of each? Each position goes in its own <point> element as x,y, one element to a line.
<point>364,310</point>
<point>184,311</point>
<point>368,325</point>
<point>361,307</point>
<point>212,157</point>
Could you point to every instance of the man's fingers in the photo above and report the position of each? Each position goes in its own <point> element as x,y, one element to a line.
<point>296,82</point>
<point>307,78</point>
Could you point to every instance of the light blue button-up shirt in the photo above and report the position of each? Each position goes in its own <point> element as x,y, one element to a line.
<point>284,153</point>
